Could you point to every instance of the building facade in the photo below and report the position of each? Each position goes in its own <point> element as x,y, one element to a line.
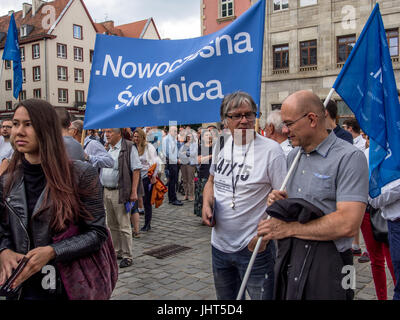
<point>306,42</point>
<point>57,43</point>
<point>217,14</point>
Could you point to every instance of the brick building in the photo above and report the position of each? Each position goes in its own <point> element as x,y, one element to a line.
<point>57,43</point>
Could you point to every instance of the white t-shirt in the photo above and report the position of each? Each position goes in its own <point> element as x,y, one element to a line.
<point>5,150</point>
<point>359,142</point>
<point>264,169</point>
<point>286,147</point>
<point>147,159</point>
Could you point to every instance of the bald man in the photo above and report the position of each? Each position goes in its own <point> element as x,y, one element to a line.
<point>331,174</point>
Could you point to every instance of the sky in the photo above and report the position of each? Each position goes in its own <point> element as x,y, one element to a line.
<point>175,19</point>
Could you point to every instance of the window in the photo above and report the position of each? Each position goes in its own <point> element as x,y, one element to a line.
<point>23,76</point>
<point>23,31</point>
<point>35,51</point>
<point>393,41</point>
<point>304,3</point>
<point>9,105</point>
<point>91,52</point>
<point>7,64</point>
<point>77,32</point>
<point>308,53</point>
<point>37,93</point>
<point>281,56</point>
<point>79,96</point>
<point>78,54</point>
<point>61,51</point>
<point>226,9</point>
<point>22,95</point>
<point>22,52</point>
<point>63,95</point>
<point>344,46</point>
<point>62,73</point>
<point>8,85</point>
<point>36,73</point>
<point>281,4</point>
<point>78,74</point>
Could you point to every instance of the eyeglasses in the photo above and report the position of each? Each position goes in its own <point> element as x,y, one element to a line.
<point>6,127</point>
<point>289,124</point>
<point>250,116</point>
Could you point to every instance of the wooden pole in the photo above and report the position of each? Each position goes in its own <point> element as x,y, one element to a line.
<point>83,137</point>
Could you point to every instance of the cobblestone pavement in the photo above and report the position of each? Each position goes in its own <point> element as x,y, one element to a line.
<point>188,274</point>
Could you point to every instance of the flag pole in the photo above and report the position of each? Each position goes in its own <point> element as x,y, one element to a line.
<point>83,137</point>
<point>285,181</point>
<point>257,126</point>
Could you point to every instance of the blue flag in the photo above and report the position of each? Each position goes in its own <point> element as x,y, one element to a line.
<point>141,82</point>
<point>367,84</point>
<point>11,52</point>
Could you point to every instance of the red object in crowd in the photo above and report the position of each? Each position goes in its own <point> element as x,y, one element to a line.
<point>159,189</point>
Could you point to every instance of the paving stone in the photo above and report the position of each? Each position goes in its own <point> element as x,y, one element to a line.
<point>186,281</point>
<point>181,293</point>
<point>139,290</point>
<point>120,291</point>
<point>196,286</point>
<point>124,297</point>
<point>153,286</point>
<point>167,281</point>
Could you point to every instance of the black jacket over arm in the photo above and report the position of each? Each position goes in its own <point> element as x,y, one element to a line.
<point>305,269</point>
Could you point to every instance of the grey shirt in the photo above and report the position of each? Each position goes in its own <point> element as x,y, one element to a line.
<point>74,149</point>
<point>335,171</point>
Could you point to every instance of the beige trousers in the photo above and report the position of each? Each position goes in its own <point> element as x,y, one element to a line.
<point>188,179</point>
<point>119,223</point>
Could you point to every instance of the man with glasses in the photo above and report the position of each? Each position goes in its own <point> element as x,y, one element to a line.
<point>273,130</point>
<point>242,174</point>
<point>331,174</point>
<point>6,149</point>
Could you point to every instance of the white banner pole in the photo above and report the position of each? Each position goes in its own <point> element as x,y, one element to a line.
<point>288,175</point>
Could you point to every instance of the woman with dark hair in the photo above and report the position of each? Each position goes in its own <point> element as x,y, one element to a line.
<point>43,194</point>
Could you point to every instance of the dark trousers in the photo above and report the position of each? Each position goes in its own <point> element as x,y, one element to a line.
<point>173,179</point>
<point>229,270</point>
<point>394,245</point>
<point>148,210</point>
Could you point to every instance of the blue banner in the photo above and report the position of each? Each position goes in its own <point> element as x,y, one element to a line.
<point>11,52</point>
<point>139,82</point>
<point>367,84</point>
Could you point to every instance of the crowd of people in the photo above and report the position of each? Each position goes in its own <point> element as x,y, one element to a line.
<point>55,176</point>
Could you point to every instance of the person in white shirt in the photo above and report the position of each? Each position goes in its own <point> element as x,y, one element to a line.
<point>352,126</point>
<point>148,157</point>
<point>242,174</point>
<point>120,186</point>
<point>6,149</point>
<point>169,154</point>
<point>188,160</point>
<point>273,130</point>
<point>94,151</point>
